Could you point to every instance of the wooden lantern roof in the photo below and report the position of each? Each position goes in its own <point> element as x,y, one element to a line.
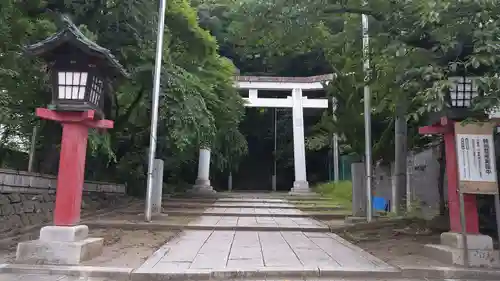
<point>71,35</point>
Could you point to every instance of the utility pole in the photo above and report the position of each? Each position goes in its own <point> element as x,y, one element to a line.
<point>367,114</point>
<point>154,109</point>
<point>275,126</point>
<point>399,193</point>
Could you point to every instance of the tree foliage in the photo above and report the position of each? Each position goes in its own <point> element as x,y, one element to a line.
<point>414,47</point>
<point>198,105</point>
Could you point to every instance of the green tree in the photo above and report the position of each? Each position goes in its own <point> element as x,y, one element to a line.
<point>197,104</point>
<point>415,47</point>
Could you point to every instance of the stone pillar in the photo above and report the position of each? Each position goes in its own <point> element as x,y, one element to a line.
<point>336,158</point>
<point>300,184</point>
<point>450,251</point>
<point>358,171</point>
<point>157,186</point>
<point>202,183</point>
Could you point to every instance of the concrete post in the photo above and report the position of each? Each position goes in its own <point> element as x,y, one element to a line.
<point>336,160</point>
<point>300,184</point>
<point>202,183</point>
<point>358,189</point>
<point>230,182</point>
<point>395,194</point>
<point>400,131</point>
<point>409,172</point>
<point>156,197</point>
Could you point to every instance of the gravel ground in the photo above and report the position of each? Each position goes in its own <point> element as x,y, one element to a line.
<point>128,248</point>
<point>398,244</point>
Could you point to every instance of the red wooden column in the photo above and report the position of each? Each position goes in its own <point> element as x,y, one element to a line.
<point>70,178</point>
<point>446,128</point>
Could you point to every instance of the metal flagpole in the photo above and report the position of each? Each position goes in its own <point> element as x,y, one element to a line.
<point>275,119</point>
<point>367,114</point>
<point>154,109</point>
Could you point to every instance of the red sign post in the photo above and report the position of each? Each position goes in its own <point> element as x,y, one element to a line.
<point>446,127</point>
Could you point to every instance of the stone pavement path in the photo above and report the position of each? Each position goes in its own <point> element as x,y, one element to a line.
<point>36,277</point>
<point>252,211</point>
<point>258,221</point>
<point>281,243</point>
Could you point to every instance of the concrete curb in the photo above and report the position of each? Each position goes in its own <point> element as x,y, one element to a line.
<point>230,195</point>
<point>376,224</point>
<point>115,273</point>
<point>450,273</point>
<point>295,207</point>
<point>241,200</point>
<point>259,273</point>
<point>144,274</point>
<point>162,226</point>
<point>319,272</point>
<point>181,212</point>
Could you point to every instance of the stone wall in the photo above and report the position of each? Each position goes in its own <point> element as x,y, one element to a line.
<point>19,210</point>
<point>27,199</point>
<point>424,178</point>
<point>25,182</point>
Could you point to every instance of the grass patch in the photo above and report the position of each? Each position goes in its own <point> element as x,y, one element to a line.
<point>338,194</point>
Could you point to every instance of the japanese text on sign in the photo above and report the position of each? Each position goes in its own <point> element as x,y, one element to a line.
<point>476,160</point>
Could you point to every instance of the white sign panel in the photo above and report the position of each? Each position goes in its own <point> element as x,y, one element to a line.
<point>476,158</point>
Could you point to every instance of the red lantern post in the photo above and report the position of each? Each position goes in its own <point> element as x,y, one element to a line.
<point>81,75</point>
<point>478,247</point>
<point>72,160</point>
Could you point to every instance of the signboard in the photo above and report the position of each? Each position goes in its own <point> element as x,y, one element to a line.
<point>476,158</point>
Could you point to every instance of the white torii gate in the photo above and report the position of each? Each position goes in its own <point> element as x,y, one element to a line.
<point>296,101</point>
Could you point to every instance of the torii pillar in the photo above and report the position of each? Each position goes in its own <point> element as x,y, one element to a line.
<point>300,185</point>
<point>297,102</point>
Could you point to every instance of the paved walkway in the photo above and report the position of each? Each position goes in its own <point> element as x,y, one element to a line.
<point>276,246</point>
<point>268,243</point>
<point>258,221</point>
<point>253,211</point>
<point>37,277</point>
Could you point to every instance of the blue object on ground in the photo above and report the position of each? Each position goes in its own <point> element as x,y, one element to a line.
<point>380,204</point>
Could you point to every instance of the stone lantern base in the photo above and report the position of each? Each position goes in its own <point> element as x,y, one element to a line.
<point>64,245</point>
<point>450,251</point>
